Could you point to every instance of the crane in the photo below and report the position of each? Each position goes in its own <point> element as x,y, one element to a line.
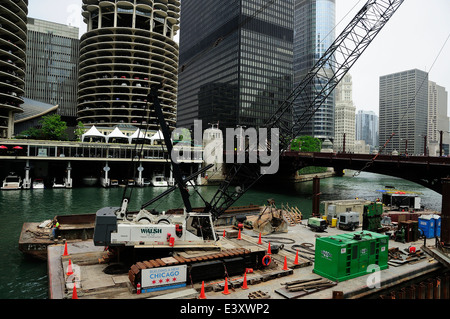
<point>150,229</point>
<point>325,75</point>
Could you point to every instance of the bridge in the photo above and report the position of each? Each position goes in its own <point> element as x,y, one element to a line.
<point>424,170</point>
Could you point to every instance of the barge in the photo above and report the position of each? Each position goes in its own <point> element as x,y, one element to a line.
<point>35,238</point>
<point>236,270</point>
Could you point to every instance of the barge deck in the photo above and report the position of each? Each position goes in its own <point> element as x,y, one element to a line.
<point>91,282</point>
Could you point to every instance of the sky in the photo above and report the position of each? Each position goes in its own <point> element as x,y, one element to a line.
<point>413,39</point>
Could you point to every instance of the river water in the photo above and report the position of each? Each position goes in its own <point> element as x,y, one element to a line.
<point>25,278</point>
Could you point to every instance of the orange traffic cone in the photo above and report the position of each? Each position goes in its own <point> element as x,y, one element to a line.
<point>285,264</point>
<point>74,292</point>
<point>225,291</point>
<point>268,249</point>
<point>296,259</point>
<point>239,235</point>
<point>65,250</point>
<point>202,291</point>
<point>69,268</point>
<point>244,285</point>
<point>259,241</point>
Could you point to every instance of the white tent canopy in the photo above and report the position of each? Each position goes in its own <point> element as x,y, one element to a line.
<point>93,132</point>
<point>158,136</point>
<point>138,135</point>
<point>117,133</point>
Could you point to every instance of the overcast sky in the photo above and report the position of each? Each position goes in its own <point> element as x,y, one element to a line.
<point>412,39</point>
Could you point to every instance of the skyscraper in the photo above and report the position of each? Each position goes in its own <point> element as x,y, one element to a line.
<point>345,116</point>
<point>367,128</point>
<point>438,119</point>
<point>404,111</point>
<point>128,46</point>
<point>13,37</point>
<point>52,66</point>
<point>235,61</point>
<point>313,35</point>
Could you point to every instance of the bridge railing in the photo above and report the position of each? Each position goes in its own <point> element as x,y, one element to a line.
<point>369,157</point>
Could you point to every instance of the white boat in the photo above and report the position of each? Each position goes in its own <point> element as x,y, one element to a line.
<point>12,182</point>
<point>159,180</point>
<point>59,183</point>
<point>114,182</point>
<point>105,182</point>
<point>90,180</point>
<point>38,183</point>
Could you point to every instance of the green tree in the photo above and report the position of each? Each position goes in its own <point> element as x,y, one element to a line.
<point>32,133</point>
<point>79,130</point>
<point>53,128</point>
<point>306,143</point>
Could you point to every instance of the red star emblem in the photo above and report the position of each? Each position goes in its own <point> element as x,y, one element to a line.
<point>154,282</point>
<point>167,280</point>
<point>160,281</point>
<point>174,279</point>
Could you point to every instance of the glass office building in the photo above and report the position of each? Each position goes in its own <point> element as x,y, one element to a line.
<point>313,34</point>
<point>52,66</point>
<point>404,111</point>
<point>367,128</point>
<point>235,61</point>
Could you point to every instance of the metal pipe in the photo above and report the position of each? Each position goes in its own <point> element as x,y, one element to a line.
<point>445,215</point>
<point>437,288</point>
<point>429,294</point>
<point>411,292</point>
<point>445,287</point>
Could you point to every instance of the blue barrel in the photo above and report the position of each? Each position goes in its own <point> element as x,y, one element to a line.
<point>437,225</point>
<point>426,224</point>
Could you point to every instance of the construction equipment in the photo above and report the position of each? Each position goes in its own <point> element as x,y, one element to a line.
<point>372,216</point>
<point>317,224</point>
<point>348,220</point>
<point>115,226</point>
<point>325,75</point>
<point>350,255</point>
<point>270,220</point>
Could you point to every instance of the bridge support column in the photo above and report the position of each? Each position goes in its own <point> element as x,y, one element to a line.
<point>199,177</point>
<point>339,172</point>
<point>69,177</point>
<point>140,181</point>
<point>171,179</point>
<point>106,181</point>
<point>316,197</point>
<point>445,215</point>
<point>27,179</point>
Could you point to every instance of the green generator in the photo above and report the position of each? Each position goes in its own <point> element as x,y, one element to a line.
<point>349,255</point>
<point>372,217</point>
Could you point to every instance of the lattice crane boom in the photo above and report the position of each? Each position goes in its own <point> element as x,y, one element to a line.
<point>325,75</point>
